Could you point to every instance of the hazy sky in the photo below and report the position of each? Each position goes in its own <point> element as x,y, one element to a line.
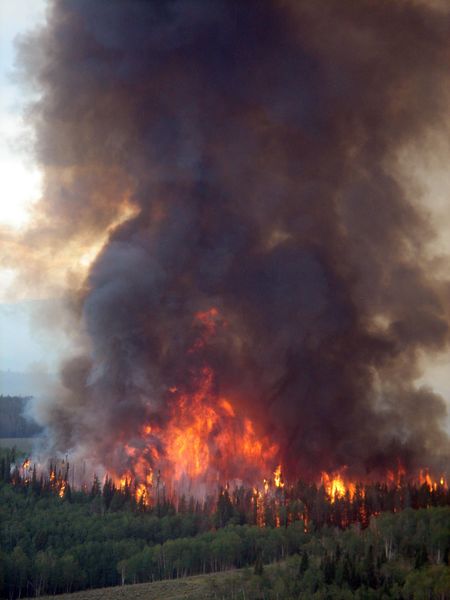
<point>20,186</point>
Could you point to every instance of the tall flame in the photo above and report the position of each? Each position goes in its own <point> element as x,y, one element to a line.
<point>336,487</point>
<point>205,439</point>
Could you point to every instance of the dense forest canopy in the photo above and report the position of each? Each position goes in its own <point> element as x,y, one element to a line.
<point>374,545</point>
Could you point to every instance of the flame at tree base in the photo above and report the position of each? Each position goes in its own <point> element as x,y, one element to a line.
<point>335,500</point>
<point>204,442</point>
<point>203,445</point>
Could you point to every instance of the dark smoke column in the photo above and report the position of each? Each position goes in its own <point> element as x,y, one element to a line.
<point>255,144</point>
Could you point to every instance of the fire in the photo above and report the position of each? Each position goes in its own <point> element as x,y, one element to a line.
<point>142,493</point>
<point>62,489</point>
<point>432,484</point>
<point>396,476</point>
<point>204,435</point>
<point>205,439</point>
<point>336,487</point>
<point>227,407</point>
<point>424,478</point>
<point>278,480</point>
<point>208,319</point>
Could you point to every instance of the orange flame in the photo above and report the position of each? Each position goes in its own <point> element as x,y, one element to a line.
<point>336,487</point>
<point>205,433</point>
<point>396,476</point>
<point>432,484</point>
<point>62,489</point>
<point>205,439</point>
<point>227,407</point>
<point>278,479</point>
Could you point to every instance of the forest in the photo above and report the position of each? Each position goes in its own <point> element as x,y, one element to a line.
<point>13,423</point>
<point>392,543</point>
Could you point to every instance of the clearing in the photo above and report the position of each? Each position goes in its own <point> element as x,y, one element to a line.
<point>197,587</point>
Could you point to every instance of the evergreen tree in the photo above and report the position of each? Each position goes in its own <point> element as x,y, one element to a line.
<point>369,568</point>
<point>328,569</point>
<point>95,489</point>
<point>224,510</point>
<point>259,567</point>
<point>304,563</point>
<point>421,558</point>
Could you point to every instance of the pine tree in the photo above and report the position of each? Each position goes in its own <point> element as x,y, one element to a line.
<point>369,568</point>
<point>95,489</point>
<point>421,557</point>
<point>224,510</point>
<point>182,505</point>
<point>259,567</point>
<point>304,564</point>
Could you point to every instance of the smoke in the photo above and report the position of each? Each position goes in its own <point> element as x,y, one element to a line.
<point>245,156</point>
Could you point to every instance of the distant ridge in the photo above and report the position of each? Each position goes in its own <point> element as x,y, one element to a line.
<point>13,383</point>
<point>15,421</point>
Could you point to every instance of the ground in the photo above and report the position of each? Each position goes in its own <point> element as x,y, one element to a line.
<point>198,587</point>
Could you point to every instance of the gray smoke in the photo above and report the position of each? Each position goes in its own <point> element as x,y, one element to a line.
<point>256,145</point>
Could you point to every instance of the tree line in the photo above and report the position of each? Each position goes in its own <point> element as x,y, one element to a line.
<point>49,546</point>
<point>53,542</point>
<point>302,501</point>
<point>391,559</point>
<point>13,423</point>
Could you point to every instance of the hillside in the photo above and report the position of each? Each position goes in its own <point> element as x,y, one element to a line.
<point>282,581</point>
<point>197,587</point>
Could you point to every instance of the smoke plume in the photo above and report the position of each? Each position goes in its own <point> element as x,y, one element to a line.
<point>244,156</point>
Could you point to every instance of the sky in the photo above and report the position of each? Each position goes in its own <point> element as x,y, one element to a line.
<point>21,349</point>
<point>20,179</point>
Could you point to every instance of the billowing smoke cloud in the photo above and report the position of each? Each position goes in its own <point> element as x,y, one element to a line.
<point>244,156</point>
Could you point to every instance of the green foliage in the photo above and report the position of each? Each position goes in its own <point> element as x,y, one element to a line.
<point>100,538</point>
<point>259,567</point>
